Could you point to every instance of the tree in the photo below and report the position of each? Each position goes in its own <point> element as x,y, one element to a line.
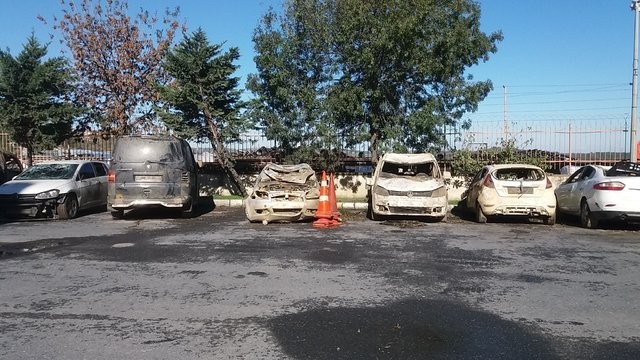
<point>393,72</point>
<point>293,81</point>
<point>35,106</point>
<point>202,99</point>
<point>117,59</point>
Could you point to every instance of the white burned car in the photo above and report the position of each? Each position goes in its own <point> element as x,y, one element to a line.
<point>511,190</point>
<point>283,193</point>
<point>408,185</point>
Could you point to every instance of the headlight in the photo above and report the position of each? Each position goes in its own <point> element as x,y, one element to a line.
<point>439,192</point>
<point>381,191</point>
<point>51,194</point>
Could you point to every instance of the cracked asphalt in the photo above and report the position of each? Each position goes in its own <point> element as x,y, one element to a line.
<point>153,286</point>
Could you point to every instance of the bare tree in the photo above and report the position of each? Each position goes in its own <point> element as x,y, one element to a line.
<point>117,59</point>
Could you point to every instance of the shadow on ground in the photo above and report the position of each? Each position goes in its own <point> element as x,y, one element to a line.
<point>424,329</point>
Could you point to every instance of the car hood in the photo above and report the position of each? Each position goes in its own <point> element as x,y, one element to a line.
<point>33,186</point>
<point>404,184</point>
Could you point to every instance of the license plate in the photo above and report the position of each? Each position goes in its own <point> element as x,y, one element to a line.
<point>148,178</point>
<point>518,190</point>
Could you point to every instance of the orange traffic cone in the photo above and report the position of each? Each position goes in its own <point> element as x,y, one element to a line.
<point>323,214</point>
<point>335,214</point>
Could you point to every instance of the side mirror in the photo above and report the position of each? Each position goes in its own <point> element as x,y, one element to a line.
<point>446,175</point>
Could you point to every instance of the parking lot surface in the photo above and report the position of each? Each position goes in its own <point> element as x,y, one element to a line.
<point>153,286</point>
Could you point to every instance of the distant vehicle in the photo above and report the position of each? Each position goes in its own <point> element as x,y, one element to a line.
<point>152,171</point>
<point>408,185</point>
<point>510,190</point>
<point>283,193</point>
<point>55,189</point>
<point>599,193</point>
<point>10,166</point>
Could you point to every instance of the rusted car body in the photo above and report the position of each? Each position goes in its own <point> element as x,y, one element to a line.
<point>152,171</point>
<point>283,193</point>
<point>408,185</point>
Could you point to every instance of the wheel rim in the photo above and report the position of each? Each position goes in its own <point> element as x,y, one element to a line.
<point>584,215</point>
<point>72,208</point>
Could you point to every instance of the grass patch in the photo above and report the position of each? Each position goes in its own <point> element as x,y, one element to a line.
<point>228,197</point>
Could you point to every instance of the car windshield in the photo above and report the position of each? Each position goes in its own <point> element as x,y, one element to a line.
<point>519,174</point>
<point>390,169</point>
<point>48,172</point>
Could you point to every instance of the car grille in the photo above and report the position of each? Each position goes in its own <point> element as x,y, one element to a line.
<point>410,193</point>
<point>17,198</point>
<point>410,210</point>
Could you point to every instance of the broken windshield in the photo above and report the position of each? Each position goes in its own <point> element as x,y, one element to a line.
<point>425,170</point>
<point>48,172</point>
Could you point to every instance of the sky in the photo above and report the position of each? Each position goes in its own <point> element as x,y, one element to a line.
<point>561,61</point>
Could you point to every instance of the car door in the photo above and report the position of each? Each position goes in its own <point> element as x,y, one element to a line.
<point>580,188</point>
<point>475,186</point>
<point>101,176</point>
<point>88,186</point>
<point>564,192</point>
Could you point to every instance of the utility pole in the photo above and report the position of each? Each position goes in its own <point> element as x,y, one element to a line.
<point>635,6</point>
<point>506,123</point>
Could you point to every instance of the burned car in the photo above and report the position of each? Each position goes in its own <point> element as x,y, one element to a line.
<point>10,166</point>
<point>283,193</point>
<point>152,171</point>
<point>408,185</point>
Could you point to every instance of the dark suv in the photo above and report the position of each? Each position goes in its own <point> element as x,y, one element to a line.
<point>152,171</point>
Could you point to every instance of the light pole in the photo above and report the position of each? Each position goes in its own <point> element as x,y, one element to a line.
<point>635,6</point>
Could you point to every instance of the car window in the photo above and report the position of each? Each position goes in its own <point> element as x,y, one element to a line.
<point>48,172</point>
<point>100,169</point>
<point>587,173</point>
<point>86,172</point>
<point>518,173</point>
<point>13,164</point>
<point>404,169</point>
<point>480,175</point>
<point>576,175</point>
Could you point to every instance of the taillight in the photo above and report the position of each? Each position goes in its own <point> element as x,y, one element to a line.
<point>111,176</point>
<point>609,185</point>
<point>549,184</point>
<point>488,181</point>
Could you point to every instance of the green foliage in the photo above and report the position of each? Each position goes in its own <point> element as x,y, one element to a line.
<point>393,73</point>
<point>202,83</point>
<point>467,163</point>
<point>34,98</point>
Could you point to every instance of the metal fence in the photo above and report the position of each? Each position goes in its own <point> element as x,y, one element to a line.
<point>561,142</point>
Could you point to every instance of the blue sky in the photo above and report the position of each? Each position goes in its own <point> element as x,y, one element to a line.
<point>560,60</point>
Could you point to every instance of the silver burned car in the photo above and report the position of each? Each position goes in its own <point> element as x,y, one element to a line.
<point>55,189</point>
<point>409,185</point>
<point>283,193</point>
<point>152,171</point>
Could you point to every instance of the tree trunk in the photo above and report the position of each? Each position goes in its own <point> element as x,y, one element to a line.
<point>29,155</point>
<point>221,152</point>
<point>373,143</point>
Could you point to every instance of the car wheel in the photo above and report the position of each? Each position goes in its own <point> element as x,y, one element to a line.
<point>586,217</point>
<point>551,220</point>
<point>69,208</point>
<point>117,214</point>
<point>480,217</point>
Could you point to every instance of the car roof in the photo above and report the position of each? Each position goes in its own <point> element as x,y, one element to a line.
<point>408,158</point>
<point>68,162</point>
<point>511,166</point>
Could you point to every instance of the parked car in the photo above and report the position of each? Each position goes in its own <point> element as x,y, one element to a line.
<point>598,193</point>
<point>510,190</point>
<point>408,185</point>
<point>152,171</point>
<point>283,193</point>
<point>10,166</point>
<point>55,189</point>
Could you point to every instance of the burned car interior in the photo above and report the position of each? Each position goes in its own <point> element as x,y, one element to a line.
<point>395,169</point>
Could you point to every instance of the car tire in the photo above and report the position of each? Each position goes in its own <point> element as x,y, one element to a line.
<point>586,217</point>
<point>480,216</point>
<point>551,220</point>
<point>69,208</point>
<point>117,214</point>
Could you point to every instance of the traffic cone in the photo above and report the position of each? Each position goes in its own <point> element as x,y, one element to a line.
<point>323,213</point>
<point>335,214</point>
